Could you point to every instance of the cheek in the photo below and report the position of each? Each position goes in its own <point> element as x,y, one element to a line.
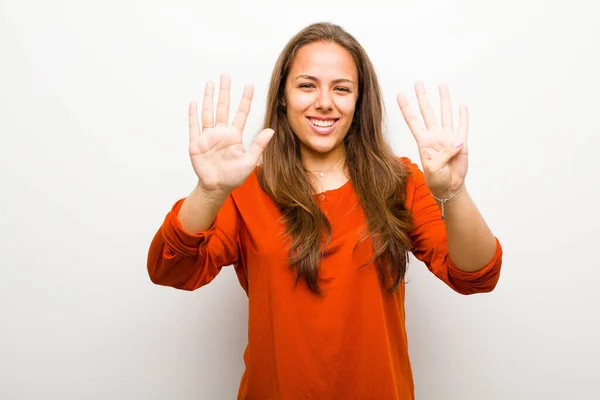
<point>346,105</point>
<point>299,102</point>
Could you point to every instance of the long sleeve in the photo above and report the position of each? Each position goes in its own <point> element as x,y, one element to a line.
<point>188,261</point>
<point>431,243</point>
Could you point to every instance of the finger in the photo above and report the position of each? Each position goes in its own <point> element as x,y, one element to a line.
<point>426,109</point>
<point>463,123</point>
<point>223,102</point>
<point>410,117</point>
<point>260,143</point>
<point>193,120</point>
<point>239,121</point>
<point>447,122</point>
<point>208,118</point>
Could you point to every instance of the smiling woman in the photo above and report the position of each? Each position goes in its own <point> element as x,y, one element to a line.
<point>320,99</point>
<point>318,218</point>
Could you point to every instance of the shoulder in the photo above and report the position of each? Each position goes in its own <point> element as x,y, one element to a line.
<point>251,185</point>
<point>407,162</point>
<point>254,205</point>
<point>412,169</point>
<point>416,187</point>
<point>251,191</point>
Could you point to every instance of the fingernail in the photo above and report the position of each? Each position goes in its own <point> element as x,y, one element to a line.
<point>458,144</point>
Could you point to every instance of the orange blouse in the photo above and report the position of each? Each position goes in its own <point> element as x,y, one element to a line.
<point>349,343</point>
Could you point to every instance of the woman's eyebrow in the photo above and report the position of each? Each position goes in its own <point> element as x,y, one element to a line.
<point>312,78</point>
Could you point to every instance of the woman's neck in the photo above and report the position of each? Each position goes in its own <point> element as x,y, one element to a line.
<point>324,162</point>
<point>326,171</point>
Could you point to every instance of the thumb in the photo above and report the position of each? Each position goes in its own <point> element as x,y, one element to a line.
<point>449,152</point>
<point>259,144</point>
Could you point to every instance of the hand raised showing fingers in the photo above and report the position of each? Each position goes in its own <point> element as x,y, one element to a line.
<point>216,149</point>
<point>442,148</point>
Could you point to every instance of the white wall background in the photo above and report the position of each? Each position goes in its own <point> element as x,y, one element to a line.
<point>93,153</point>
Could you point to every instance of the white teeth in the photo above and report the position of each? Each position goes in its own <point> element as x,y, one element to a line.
<point>320,123</point>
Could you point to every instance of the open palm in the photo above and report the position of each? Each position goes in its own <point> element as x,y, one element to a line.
<point>217,152</point>
<point>443,151</point>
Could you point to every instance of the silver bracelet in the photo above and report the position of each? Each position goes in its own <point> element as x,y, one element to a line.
<point>443,201</point>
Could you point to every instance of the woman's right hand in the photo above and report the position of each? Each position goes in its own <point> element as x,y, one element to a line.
<point>216,149</point>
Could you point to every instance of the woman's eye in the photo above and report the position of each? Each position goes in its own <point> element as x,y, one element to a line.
<point>312,86</point>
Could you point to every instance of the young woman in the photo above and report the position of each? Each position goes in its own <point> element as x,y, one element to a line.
<point>318,217</point>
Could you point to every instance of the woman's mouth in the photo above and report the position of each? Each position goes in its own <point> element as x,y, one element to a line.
<point>322,126</point>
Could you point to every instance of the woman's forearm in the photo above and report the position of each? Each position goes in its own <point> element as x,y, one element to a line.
<point>199,210</point>
<point>471,243</point>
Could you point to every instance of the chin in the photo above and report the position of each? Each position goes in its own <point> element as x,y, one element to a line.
<point>322,148</point>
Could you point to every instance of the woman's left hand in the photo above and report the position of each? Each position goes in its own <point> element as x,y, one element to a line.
<point>443,151</point>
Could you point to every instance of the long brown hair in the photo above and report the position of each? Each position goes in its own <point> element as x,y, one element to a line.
<point>377,175</point>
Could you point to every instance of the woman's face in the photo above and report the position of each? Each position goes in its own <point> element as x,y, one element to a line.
<point>320,97</point>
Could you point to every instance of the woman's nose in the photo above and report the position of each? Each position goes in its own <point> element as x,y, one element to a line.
<point>324,100</point>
